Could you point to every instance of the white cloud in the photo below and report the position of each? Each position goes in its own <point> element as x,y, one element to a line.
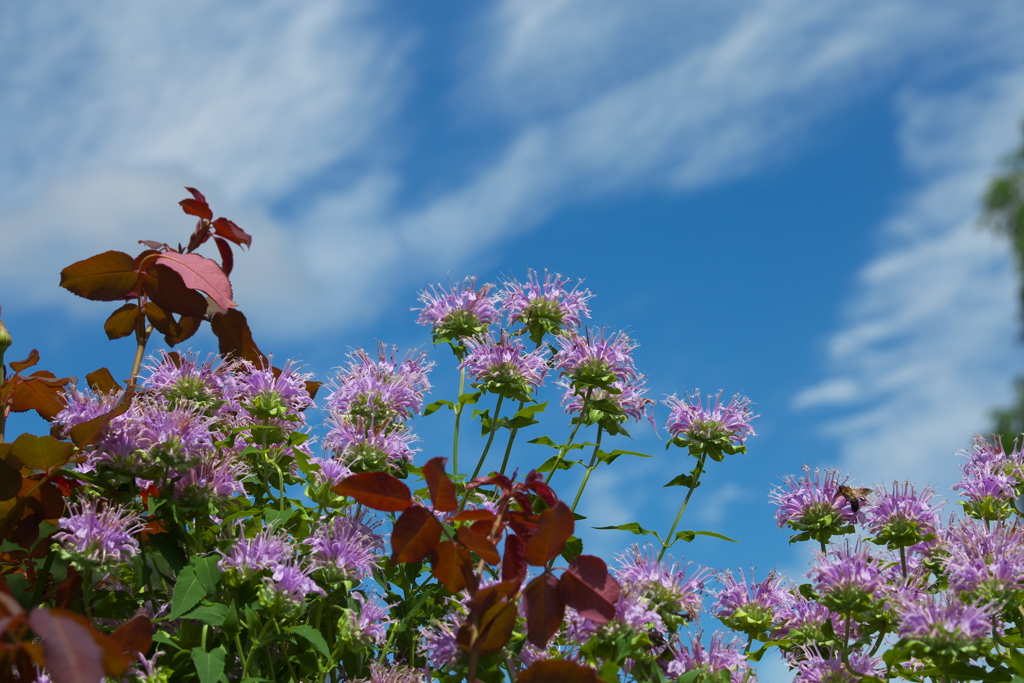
<point>929,338</point>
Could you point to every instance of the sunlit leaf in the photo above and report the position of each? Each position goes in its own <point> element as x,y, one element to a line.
<point>231,232</point>
<point>479,544</point>
<point>105,277</point>
<point>121,322</point>
<point>102,382</point>
<point>377,490</point>
<point>199,272</point>
<point>20,365</point>
<point>166,287</point>
<point>452,566</point>
<point>442,490</point>
<point>88,432</point>
<point>41,392</point>
<point>41,452</point>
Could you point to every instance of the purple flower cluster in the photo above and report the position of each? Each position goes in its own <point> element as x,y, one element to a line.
<point>457,313</point>
<point>809,504</point>
<point>945,622</point>
<point>690,419</point>
<point>346,548</point>
<point>271,552</point>
<point>710,659</point>
<point>903,518</point>
<point>367,409</point>
<point>95,534</point>
<point>986,564</point>
<point>990,476</point>
<point>504,367</point>
<point>545,306</point>
<point>850,581</point>
<point>750,607</point>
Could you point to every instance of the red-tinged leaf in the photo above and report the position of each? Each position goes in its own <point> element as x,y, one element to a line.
<point>41,392</point>
<point>227,257</point>
<point>377,490</point>
<point>164,286</point>
<point>535,482</point>
<point>474,515</point>
<point>154,245</point>
<point>229,231</point>
<point>10,480</point>
<point>196,207</point>
<point>9,607</point>
<point>105,277</point>
<point>558,671</point>
<point>554,528</point>
<point>442,490</point>
<point>121,322</point>
<point>235,338</point>
<point>545,609</point>
<point>69,590</point>
<point>513,564</point>
<point>72,656</point>
<point>20,365</point>
<point>494,630</point>
<point>499,480</point>
<point>42,452</point>
<point>199,272</point>
<point>589,589</point>
<point>162,320</point>
<point>102,382</point>
<point>452,566</point>
<point>482,527</point>
<point>312,386</point>
<point>415,535</point>
<point>134,636</point>
<point>523,523</point>
<point>188,325</point>
<point>196,194</point>
<point>479,544</point>
<point>114,663</point>
<point>89,432</point>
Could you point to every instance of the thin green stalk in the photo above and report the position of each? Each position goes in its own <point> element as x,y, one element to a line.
<point>458,421</point>
<point>511,438</point>
<point>565,447</point>
<point>697,471</point>
<point>590,468</point>
<point>490,438</point>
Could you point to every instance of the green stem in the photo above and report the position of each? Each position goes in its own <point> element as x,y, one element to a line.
<point>565,447</point>
<point>590,468</point>
<point>697,471</point>
<point>903,560</point>
<point>458,421</point>
<point>511,438</point>
<point>490,438</point>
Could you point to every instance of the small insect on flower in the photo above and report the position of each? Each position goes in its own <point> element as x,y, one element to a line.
<point>856,496</point>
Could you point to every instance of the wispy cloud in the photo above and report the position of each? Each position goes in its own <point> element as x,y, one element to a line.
<point>928,345</point>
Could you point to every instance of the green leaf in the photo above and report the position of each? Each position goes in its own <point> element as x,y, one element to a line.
<point>1016,661</point>
<point>213,614</point>
<point>573,547</point>
<point>471,397</point>
<point>169,548</point>
<point>188,592</point>
<point>544,441</point>
<point>610,457</point>
<point>208,573</point>
<point>682,480</point>
<point>530,411</point>
<point>634,527</point>
<point>689,536</point>
<point>209,665</point>
<point>315,638</point>
<point>565,464</point>
<point>437,405</point>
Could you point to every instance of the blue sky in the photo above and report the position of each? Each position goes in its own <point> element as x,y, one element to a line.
<point>773,197</point>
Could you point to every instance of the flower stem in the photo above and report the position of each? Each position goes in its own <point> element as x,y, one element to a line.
<point>511,438</point>
<point>458,421</point>
<point>590,468</point>
<point>490,438</point>
<point>697,471</point>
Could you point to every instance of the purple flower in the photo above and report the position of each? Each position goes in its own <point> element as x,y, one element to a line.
<point>664,585</point>
<point>266,550</point>
<point>750,607</point>
<point>98,535</point>
<point>459,313</point>
<point>369,450</point>
<point>213,477</point>
<point>813,667</point>
<point>290,581</point>
<point>184,379</point>
<point>811,505</point>
<point>715,424</point>
<point>386,672</point>
<point>381,391</point>
<point>903,518</point>
<point>716,656</point>
<point>850,581</point>
<point>366,625</point>
<point>803,621</point>
<point>346,547</point>
<point>945,623</point>
<point>596,362</point>
<point>990,475</point>
<point>437,642</point>
<point>504,367</point>
<point>624,399</point>
<point>330,471</point>
<point>266,397</point>
<point>545,307</point>
<point>987,564</point>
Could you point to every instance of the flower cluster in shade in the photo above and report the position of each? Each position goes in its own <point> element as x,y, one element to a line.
<point>178,432</point>
<point>367,412</point>
<point>95,534</point>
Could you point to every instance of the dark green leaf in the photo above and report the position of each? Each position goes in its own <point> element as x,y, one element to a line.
<point>634,527</point>
<point>188,592</point>
<point>436,405</point>
<point>689,536</point>
<point>315,638</point>
<point>213,614</point>
<point>209,665</point>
